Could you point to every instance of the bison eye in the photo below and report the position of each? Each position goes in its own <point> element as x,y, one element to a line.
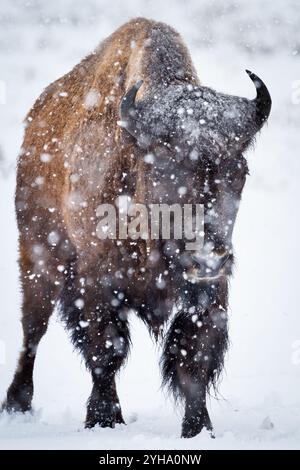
<point>238,179</point>
<point>235,173</point>
<point>238,182</point>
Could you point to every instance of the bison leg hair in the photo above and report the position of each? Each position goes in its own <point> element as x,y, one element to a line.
<point>100,331</point>
<point>38,294</point>
<point>155,312</point>
<point>194,352</point>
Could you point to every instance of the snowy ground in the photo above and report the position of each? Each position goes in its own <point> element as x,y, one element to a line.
<point>259,405</point>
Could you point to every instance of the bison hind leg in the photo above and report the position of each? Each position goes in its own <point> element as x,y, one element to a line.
<point>38,301</point>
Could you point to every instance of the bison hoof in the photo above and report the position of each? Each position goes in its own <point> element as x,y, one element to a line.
<point>193,425</point>
<point>15,407</point>
<point>18,401</point>
<point>103,423</point>
<point>104,419</point>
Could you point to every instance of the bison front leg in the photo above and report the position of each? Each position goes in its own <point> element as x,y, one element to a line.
<point>104,358</point>
<point>194,351</point>
<point>100,331</point>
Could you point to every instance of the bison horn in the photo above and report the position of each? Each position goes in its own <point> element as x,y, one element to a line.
<point>263,99</point>
<point>127,107</point>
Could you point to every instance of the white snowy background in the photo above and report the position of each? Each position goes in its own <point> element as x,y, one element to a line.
<point>259,402</point>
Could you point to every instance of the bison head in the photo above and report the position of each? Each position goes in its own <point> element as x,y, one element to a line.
<point>197,137</point>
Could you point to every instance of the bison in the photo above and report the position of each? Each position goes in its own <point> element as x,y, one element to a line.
<point>133,120</point>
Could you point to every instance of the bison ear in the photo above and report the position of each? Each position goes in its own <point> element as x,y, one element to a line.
<point>128,110</point>
<point>262,101</point>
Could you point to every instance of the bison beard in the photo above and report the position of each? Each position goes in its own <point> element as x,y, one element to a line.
<point>85,142</point>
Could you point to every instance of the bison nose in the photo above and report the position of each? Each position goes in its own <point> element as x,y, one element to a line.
<point>212,265</point>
